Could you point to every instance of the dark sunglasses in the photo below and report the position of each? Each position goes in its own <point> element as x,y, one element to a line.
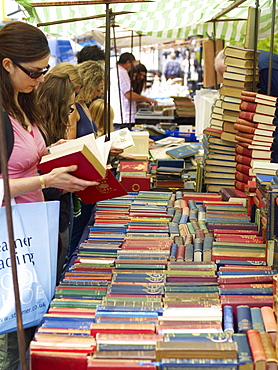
<point>33,74</point>
<point>71,110</point>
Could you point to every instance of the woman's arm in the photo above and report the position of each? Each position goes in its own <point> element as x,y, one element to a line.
<point>59,178</point>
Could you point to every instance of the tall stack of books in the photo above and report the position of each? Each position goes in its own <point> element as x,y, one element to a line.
<point>256,126</point>
<point>220,159</point>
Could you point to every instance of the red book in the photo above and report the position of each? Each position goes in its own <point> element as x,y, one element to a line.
<point>120,364</point>
<point>247,161</point>
<point>231,231</point>
<point>253,130</point>
<point>45,360</point>
<point>212,132</point>
<point>240,185</point>
<point>244,169</point>
<point>240,176</point>
<point>257,154</point>
<point>136,183</point>
<point>257,348</point>
<point>256,117</point>
<point>252,137</point>
<point>258,98</point>
<point>245,279</point>
<point>238,238</point>
<point>258,125</point>
<point>134,166</point>
<point>114,328</point>
<point>257,108</point>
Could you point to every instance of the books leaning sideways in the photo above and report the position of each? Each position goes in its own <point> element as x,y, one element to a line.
<point>90,155</point>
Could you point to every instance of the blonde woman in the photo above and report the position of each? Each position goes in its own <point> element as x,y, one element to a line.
<point>97,113</point>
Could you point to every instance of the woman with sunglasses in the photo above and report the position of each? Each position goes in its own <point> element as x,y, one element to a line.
<point>24,56</point>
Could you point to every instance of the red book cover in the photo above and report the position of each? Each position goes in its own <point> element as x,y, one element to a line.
<point>257,348</point>
<point>240,176</point>
<point>121,328</point>
<point>253,130</point>
<point>108,188</point>
<point>257,108</point>
<point>212,131</point>
<point>231,231</point>
<point>134,166</point>
<point>257,97</point>
<point>45,360</point>
<point>252,138</point>
<point>247,170</point>
<point>237,238</point>
<point>257,154</point>
<point>240,185</point>
<point>245,279</point>
<point>136,183</point>
<point>263,126</point>
<point>247,161</point>
<point>236,258</point>
<point>256,117</point>
<point>98,364</point>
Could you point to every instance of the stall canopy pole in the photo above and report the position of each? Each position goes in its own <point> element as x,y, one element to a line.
<point>106,115</point>
<point>7,200</point>
<point>131,78</point>
<point>271,47</point>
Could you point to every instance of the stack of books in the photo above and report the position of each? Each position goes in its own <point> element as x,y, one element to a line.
<point>221,141</point>
<point>256,128</point>
<point>135,175</point>
<point>184,105</point>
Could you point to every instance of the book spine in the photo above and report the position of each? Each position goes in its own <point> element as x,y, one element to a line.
<point>198,249</point>
<point>244,353</point>
<point>173,252</point>
<point>180,253</point>
<point>256,345</point>
<point>189,252</point>
<point>244,321</point>
<point>228,319</point>
<point>257,319</point>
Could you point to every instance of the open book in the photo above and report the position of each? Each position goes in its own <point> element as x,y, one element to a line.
<point>122,138</point>
<point>90,155</point>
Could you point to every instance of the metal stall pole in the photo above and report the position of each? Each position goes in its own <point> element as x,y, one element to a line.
<point>7,200</point>
<point>271,47</point>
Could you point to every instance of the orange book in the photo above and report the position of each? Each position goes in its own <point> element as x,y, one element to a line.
<point>258,98</point>
<point>257,349</point>
<point>252,130</point>
<point>270,323</point>
<point>257,108</point>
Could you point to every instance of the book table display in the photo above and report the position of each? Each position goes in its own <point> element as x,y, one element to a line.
<point>164,281</point>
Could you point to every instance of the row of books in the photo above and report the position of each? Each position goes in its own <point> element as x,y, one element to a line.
<point>125,304</point>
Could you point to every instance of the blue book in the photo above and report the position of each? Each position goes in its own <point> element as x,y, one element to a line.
<point>244,353</point>
<point>228,319</point>
<point>173,252</point>
<point>189,363</point>
<point>234,262</point>
<point>244,320</point>
<point>257,319</point>
<point>246,291</point>
<point>181,152</point>
<point>198,337</point>
<point>247,272</point>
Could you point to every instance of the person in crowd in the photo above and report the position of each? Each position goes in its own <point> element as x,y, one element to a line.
<point>123,98</point>
<point>24,56</point>
<point>97,113</point>
<point>81,123</point>
<point>56,97</point>
<point>263,65</point>
<point>172,68</point>
<point>138,76</point>
<point>90,52</point>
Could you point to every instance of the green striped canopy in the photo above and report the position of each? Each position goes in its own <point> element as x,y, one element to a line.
<point>174,19</point>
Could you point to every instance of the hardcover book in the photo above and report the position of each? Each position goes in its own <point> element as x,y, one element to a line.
<point>239,52</point>
<point>183,151</point>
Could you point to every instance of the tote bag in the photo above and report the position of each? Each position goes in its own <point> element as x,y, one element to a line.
<point>35,228</point>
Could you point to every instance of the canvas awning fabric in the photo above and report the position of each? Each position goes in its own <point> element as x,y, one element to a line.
<point>173,19</point>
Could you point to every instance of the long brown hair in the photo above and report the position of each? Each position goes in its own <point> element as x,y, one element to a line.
<point>53,101</point>
<point>22,43</point>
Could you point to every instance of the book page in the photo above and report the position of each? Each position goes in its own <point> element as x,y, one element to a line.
<point>122,138</point>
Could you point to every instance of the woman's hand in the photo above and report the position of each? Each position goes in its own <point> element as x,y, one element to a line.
<point>61,178</point>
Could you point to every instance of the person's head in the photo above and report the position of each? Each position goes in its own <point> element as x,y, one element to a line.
<point>72,71</point>
<point>97,113</point>
<point>219,64</point>
<point>139,78</point>
<point>55,98</point>
<point>173,55</point>
<point>90,53</point>
<point>92,75</point>
<point>24,56</point>
<point>127,61</point>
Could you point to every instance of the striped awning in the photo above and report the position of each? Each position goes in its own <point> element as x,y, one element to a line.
<point>174,19</point>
